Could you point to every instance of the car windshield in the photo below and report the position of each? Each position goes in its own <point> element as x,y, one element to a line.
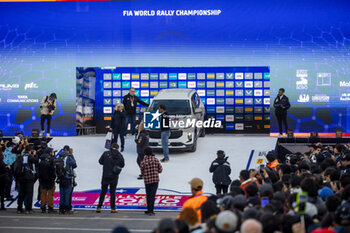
<point>173,107</point>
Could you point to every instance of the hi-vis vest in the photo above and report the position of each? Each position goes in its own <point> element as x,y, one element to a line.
<point>273,165</point>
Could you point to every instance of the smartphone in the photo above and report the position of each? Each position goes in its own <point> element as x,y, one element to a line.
<point>264,201</point>
<point>301,202</point>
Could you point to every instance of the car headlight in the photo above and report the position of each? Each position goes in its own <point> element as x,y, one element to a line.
<point>189,136</point>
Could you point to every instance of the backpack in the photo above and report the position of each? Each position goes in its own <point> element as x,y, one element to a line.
<point>60,167</point>
<point>45,169</point>
<point>18,167</point>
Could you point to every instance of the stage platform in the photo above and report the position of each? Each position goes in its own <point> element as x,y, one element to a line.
<point>176,174</point>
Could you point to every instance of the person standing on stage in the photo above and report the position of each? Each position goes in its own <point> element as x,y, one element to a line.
<point>47,108</point>
<point>142,142</point>
<point>112,162</point>
<point>281,105</point>
<point>118,125</point>
<point>130,102</point>
<point>150,169</point>
<point>165,132</point>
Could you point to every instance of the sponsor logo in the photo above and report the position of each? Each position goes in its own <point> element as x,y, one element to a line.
<point>220,109</point>
<point>249,101</point>
<point>201,76</point>
<point>182,84</point>
<point>248,117</point>
<point>258,100</point>
<point>258,84</point>
<point>258,109</point>
<point>201,92</point>
<point>258,118</point>
<point>116,76</point>
<point>107,109</point>
<point>107,85</point>
<point>229,84</point>
<point>220,117</point>
<point>220,101</point>
<point>229,101</point>
<point>117,84</point>
<point>135,76</point>
<point>248,75</point>
<point>220,75</point>
<point>172,76</point>
<point>211,93</point>
<point>220,92</point>
<point>249,92</point>
<point>266,92</point>
<point>257,75</point>
<point>229,75</point>
<point>239,117</point>
<point>154,84</point>
<point>8,87</point>
<point>116,93</point>
<point>345,97</point>
<point>144,93</point>
<point>201,84</point>
<point>302,83</point>
<point>145,76</point>
<point>229,92</point>
<point>145,84</point>
<point>210,76</point>
<point>107,118</point>
<point>182,76</point>
<point>22,99</point>
<point>220,84</point>
<point>191,84</point>
<point>162,85</point>
<point>107,93</point>
<point>173,84</point>
<point>238,76</point>
<point>239,84</point>
<point>239,101</point>
<point>267,109</point>
<point>324,79</point>
<point>116,101</point>
<point>154,92</point>
<point>210,101</point>
<point>239,126</point>
<point>320,98</point>
<point>266,75</point>
<point>125,76</point>
<point>191,76</point>
<point>154,76</point>
<point>153,121</point>
<point>248,109</point>
<point>107,101</point>
<point>107,76</point>
<point>344,83</point>
<point>248,84</point>
<point>303,98</point>
<point>266,101</point>
<point>258,93</point>
<point>230,126</point>
<point>126,85</point>
<point>230,118</point>
<point>239,109</point>
<point>31,86</point>
<point>210,84</point>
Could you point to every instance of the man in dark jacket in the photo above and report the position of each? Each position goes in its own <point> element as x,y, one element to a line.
<point>118,125</point>
<point>150,169</point>
<point>142,142</point>
<point>221,173</point>
<point>4,178</point>
<point>112,162</point>
<point>25,175</point>
<point>165,132</point>
<point>66,181</point>
<point>47,178</point>
<point>130,102</point>
<point>281,105</point>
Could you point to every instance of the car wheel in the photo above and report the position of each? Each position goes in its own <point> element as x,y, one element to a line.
<point>194,145</point>
<point>202,134</point>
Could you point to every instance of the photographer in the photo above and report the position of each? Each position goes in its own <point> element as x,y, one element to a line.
<point>25,175</point>
<point>47,108</point>
<point>142,142</point>
<point>221,172</point>
<point>47,179</point>
<point>64,166</point>
<point>118,125</point>
<point>112,162</point>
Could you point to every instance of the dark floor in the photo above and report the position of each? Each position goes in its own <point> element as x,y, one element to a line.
<point>81,221</point>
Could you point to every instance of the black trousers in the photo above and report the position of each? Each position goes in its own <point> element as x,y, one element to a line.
<point>221,189</point>
<point>25,195</point>
<point>140,157</point>
<point>117,134</point>
<point>8,185</point>
<point>282,118</point>
<point>48,118</point>
<point>2,194</point>
<point>112,189</point>
<point>151,190</point>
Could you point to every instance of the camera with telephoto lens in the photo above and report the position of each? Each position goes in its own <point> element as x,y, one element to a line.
<point>51,107</point>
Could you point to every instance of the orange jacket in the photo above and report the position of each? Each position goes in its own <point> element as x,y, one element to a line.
<point>195,202</point>
<point>273,165</point>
